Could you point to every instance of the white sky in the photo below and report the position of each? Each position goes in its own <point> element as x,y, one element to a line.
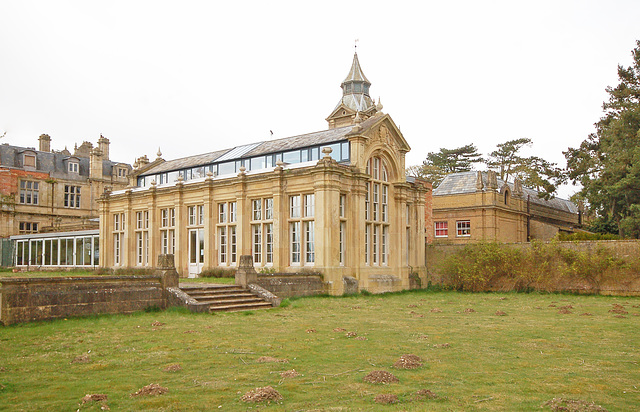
<point>198,76</point>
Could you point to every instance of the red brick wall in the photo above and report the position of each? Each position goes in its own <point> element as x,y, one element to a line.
<point>428,212</point>
<point>9,179</point>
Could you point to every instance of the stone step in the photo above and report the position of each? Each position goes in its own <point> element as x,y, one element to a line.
<point>195,293</point>
<point>225,298</point>
<point>239,307</point>
<point>216,303</point>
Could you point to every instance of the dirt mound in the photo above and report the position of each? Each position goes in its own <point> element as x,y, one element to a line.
<point>190,331</point>
<point>289,374</point>
<point>416,314</point>
<point>412,306</point>
<point>586,314</point>
<point>351,334</point>
<point>573,405</point>
<point>424,394</point>
<point>268,359</point>
<point>311,331</point>
<point>380,377</point>
<point>553,306</point>
<point>620,311</point>
<point>82,359</point>
<point>266,393</point>
<point>360,338</point>
<point>173,368</point>
<point>339,330</point>
<point>564,311</point>
<point>151,390</point>
<point>619,316</point>
<point>566,307</point>
<point>436,310</point>
<point>408,362</point>
<point>442,345</point>
<point>469,310</point>
<point>386,398</point>
<point>500,313</point>
<point>95,397</point>
<point>156,323</point>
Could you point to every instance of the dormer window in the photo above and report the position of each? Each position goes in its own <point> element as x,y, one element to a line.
<point>29,160</point>
<point>122,172</point>
<point>74,167</point>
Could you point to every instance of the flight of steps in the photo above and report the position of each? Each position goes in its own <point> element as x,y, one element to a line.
<point>225,298</point>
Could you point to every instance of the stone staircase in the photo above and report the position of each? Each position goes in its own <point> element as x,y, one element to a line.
<point>224,298</point>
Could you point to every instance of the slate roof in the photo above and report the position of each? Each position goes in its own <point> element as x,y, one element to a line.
<point>465,182</point>
<point>52,163</point>
<point>186,162</point>
<point>258,149</point>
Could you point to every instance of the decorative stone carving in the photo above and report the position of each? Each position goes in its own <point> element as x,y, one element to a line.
<point>479,183</point>
<point>517,187</point>
<point>492,180</point>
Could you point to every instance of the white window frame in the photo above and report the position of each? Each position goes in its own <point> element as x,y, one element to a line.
<point>463,228</point>
<point>441,226</point>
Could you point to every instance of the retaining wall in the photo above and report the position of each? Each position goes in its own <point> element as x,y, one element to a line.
<point>33,299</point>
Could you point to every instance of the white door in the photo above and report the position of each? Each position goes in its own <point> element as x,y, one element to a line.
<point>196,251</point>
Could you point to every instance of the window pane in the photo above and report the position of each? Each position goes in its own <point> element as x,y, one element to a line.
<point>291,157</point>
<point>227,168</point>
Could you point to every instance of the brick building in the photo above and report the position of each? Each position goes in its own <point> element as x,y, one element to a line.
<point>44,190</point>
<point>473,206</point>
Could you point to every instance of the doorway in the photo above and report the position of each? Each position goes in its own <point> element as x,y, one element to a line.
<point>196,251</point>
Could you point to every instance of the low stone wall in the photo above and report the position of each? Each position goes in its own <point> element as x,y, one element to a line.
<point>286,285</point>
<point>384,284</point>
<point>30,299</point>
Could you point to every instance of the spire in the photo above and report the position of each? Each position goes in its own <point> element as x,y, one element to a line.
<point>356,74</point>
<point>355,98</point>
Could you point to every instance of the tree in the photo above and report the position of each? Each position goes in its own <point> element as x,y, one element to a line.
<point>505,159</point>
<point>439,164</point>
<point>607,163</point>
<point>533,171</point>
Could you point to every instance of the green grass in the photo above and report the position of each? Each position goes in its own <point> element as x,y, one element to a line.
<point>494,363</point>
<point>45,274</point>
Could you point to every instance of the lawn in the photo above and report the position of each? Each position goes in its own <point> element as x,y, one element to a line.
<point>544,346</point>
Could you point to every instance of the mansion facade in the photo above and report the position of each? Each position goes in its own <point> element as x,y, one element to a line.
<point>46,190</point>
<point>335,201</point>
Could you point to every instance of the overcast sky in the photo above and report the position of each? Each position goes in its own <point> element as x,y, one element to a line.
<point>197,76</point>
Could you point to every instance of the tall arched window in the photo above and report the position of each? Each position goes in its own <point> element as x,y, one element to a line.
<point>377,213</point>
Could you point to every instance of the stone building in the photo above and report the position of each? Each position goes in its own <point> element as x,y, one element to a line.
<point>335,201</point>
<point>44,190</point>
<point>472,206</point>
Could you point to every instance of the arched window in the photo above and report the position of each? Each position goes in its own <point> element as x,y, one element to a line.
<point>506,197</point>
<point>377,213</point>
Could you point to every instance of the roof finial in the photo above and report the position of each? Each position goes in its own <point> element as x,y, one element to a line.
<point>355,46</point>
<point>159,153</point>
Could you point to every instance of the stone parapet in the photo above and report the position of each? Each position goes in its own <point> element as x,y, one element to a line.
<point>286,285</point>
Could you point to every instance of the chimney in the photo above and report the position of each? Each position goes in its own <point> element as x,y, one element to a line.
<point>45,143</point>
<point>95,164</point>
<point>103,145</point>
